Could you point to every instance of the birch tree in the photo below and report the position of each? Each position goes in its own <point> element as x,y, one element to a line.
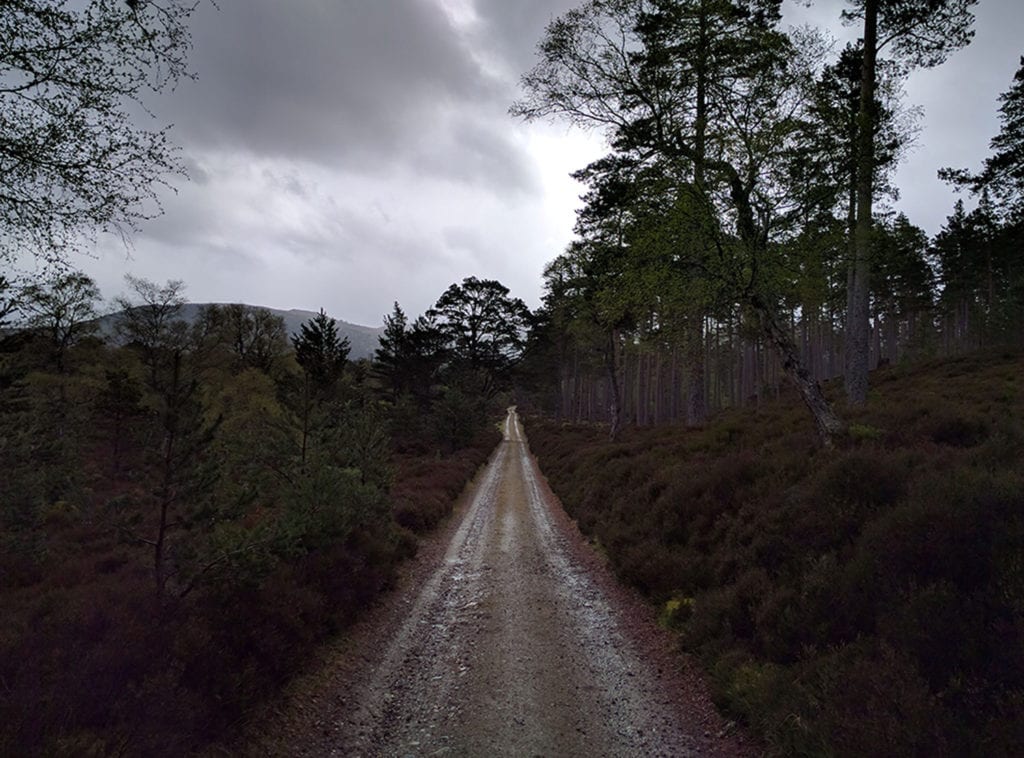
<point>75,156</point>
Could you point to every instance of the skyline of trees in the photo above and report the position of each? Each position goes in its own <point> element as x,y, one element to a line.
<point>743,192</point>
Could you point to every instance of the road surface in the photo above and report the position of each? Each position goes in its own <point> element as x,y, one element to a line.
<point>510,644</point>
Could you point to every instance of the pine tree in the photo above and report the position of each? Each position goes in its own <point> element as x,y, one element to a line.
<point>484,328</point>
<point>320,351</point>
<point>322,355</point>
<point>922,33</point>
<point>390,359</point>
<point>708,88</point>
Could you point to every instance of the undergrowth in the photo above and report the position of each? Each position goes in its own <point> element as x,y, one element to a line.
<point>91,663</point>
<point>862,601</point>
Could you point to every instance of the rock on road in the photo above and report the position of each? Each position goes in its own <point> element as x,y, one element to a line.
<point>508,645</point>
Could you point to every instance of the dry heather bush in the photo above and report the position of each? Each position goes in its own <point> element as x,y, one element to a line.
<point>861,601</point>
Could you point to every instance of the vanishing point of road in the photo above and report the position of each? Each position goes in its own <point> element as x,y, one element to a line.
<point>512,641</point>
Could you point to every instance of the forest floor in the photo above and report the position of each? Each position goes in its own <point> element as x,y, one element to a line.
<point>507,635</point>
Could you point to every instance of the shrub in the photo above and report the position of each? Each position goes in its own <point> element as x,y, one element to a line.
<point>862,601</point>
<point>868,699</point>
<point>92,664</point>
<point>948,428</point>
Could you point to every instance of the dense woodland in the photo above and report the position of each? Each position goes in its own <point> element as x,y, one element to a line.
<point>852,584</point>
<point>931,297</point>
<point>737,235</point>
<point>188,509</point>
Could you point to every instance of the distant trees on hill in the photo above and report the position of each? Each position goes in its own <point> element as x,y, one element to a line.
<point>203,424</point>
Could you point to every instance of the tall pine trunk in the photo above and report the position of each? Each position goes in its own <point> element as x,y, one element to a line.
<point>615,402</point>
<point>696,403</point>
<point>696,400</point>
<point>858,295</point>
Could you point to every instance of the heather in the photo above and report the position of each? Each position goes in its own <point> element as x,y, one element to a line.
<point>188,513</point>
<point>863,600</point>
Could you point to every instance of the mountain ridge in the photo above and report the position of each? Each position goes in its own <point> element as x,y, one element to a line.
<point>363,340</point>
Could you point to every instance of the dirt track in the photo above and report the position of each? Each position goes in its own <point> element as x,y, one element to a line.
<point>515,642</point>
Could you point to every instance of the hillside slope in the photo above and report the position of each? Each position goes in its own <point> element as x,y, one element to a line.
<point>362,339</point>
<point>863,601</point>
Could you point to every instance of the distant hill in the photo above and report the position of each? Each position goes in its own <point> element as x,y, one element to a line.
<point>362,339</point>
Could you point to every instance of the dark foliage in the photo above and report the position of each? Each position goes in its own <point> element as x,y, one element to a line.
<point>182,522</point>
<point>862,601</point>
<point>320,351</point>
<point>426,487</point>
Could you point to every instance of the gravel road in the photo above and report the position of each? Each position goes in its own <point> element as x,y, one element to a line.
<point>515,641</point>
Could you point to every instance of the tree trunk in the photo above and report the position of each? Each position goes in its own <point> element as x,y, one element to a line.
<point>857,316</point>
<point>696,402</point>
<point>828,425</point>
<point>577,402</point>
<point>614,405</point>
<point>305,414</point>
<point>165,493</point>
<point>673,386</point>
<point>696,397</point>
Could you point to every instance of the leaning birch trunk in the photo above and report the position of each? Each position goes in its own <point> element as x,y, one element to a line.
<point>828,425</point>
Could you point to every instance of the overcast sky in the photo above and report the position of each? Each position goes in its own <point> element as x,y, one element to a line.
<point>349,153</point>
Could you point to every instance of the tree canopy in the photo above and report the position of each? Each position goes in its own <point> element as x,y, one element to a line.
<point>709,91</point>
<point>64,309</point>
<point>74,158</point>
<point>320,351</point>
<point>485,328</point>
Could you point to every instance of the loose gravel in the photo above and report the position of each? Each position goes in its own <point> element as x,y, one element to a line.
<point>508,636</point>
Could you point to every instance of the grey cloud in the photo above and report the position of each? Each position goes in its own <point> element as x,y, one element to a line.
<point>463,238</point>
<point>189,216</point>
<point>288,182</point>
<point>196,171</point>
<point>478,154</point>
<point>515,28</point>
<point>342,82</point>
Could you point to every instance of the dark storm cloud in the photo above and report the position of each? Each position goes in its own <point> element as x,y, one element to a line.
<point>353,85</point>
<point>349,153</point>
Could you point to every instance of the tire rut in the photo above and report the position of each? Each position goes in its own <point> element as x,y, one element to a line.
<point>515,643</point>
